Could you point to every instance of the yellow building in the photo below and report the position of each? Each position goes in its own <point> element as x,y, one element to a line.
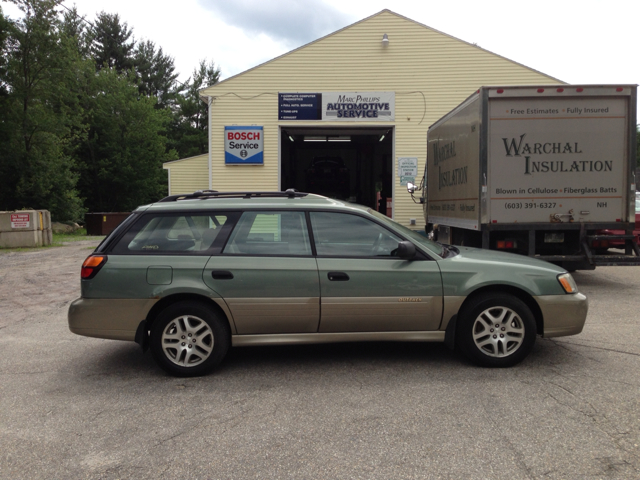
<point>346,115</point>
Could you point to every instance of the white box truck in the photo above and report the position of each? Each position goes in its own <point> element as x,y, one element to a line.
<point>537,170</point>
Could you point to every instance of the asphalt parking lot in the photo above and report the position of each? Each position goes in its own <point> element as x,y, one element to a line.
<point>76,407</point>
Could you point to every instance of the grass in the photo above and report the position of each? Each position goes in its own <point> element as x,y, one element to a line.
<point>59,240</point>
<point>77,236</point>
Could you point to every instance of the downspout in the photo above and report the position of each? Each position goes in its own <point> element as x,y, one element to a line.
<point>209,100</point>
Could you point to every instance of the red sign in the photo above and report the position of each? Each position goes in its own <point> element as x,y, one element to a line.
<point>19,220</point>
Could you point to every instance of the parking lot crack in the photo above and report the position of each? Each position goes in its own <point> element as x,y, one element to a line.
<point>595,348</point>
<point>600,422</point>
<point>161,442</point>
<point>575,409</point>
<point>561,387</point>
<point>518,456</point>
<point>563,346</point>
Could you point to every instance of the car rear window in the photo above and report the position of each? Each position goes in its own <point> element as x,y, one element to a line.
<point>173,233</point>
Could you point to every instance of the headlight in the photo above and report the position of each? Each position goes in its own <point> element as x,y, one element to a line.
<point>568,283</point>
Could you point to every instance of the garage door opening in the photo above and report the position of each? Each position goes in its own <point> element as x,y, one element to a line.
<point>343,163</point>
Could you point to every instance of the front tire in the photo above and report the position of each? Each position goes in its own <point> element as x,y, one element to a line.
<point>189,339</point>
<point>496,330</point>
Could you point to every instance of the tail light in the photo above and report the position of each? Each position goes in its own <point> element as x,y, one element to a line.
<point>506,244</point>
<point>92,266</point>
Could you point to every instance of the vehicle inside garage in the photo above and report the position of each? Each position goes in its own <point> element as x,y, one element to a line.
<point>353,164</point>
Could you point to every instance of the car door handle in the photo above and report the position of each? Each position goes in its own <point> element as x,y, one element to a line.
<point>337,276</point>
<point>221,275</point>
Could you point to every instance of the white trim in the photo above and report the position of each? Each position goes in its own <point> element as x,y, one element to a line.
<point>394,168</point>
<point>209,133</point>
<point>280,188</point>
<point>169,179</point>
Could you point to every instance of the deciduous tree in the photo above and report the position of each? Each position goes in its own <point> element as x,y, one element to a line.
<point>121,159</point>
<point>40,117</point>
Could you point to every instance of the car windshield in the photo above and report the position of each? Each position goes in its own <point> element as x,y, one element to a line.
<point>433,247</point>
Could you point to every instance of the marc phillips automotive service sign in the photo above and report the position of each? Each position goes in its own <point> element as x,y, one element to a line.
<point>243,145</point>
<point>338,106</point>
<point>358,106</point>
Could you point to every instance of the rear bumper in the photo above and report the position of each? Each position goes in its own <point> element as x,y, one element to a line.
<point>115,319</point>
<point>563,314</point>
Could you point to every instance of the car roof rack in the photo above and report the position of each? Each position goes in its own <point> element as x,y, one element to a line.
<point>208,194</point>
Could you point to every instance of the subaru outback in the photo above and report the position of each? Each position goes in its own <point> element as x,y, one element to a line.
<point>192,275</point>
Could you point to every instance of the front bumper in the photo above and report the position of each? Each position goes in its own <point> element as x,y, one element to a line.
<point>563,314</point>
<point>112,318</point>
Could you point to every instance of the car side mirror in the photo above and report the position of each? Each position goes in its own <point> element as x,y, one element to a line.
<point>406,250</point>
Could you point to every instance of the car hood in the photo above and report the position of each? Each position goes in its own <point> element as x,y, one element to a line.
<point>514,259</point>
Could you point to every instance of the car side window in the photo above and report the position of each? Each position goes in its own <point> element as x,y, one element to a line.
<point>269,233</point>
<point>184,233</point>
<point>345,235</point>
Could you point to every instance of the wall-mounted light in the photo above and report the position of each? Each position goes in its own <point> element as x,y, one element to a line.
<point>382,138</point>
<point>385,40</point>
<point>291,138</point>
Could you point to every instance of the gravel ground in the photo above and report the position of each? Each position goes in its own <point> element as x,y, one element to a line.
<point>76,407</point>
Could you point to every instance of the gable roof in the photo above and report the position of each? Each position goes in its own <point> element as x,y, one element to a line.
<point>364,20</point>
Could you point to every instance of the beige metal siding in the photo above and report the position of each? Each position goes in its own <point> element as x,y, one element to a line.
<point>188,174</point>
<point>429,71</point>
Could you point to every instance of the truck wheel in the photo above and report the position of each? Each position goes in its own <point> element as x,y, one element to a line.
<point>189,339</point>
<point>497,330</point>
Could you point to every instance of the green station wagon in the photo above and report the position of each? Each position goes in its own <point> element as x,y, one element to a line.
<point>192,275</point>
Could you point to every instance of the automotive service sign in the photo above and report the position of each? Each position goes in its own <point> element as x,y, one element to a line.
<point>338,106</point>
<point>359,106</point>
<point>299,106</point>
<point>243,145</point>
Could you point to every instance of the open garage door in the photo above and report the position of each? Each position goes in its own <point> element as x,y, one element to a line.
<point>344,163</point>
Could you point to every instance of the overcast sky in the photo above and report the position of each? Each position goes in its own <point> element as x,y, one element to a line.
<point>588,41</point>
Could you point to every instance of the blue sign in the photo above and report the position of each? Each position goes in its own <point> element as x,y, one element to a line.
<point>300,106</point>
<point>243,145</point>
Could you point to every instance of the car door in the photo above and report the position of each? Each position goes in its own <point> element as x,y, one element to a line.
<point>364,287</point>
<point>267,275</point>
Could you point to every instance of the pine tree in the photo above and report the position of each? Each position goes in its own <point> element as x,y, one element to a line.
<point>111,43</point>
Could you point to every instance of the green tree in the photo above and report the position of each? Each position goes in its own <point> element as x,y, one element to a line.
<point>5,26</point>
<point>40,117</point>
<point>111,43</point>
<point>156,74</point>
<point>74,27</point>
<point>189,131</point>
<point>121,159</point>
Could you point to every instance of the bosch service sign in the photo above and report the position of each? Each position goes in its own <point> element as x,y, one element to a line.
<point>243,146</point>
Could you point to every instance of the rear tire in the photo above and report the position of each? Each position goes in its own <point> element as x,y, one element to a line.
<point>189,339</point>
<point>496,330</point>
